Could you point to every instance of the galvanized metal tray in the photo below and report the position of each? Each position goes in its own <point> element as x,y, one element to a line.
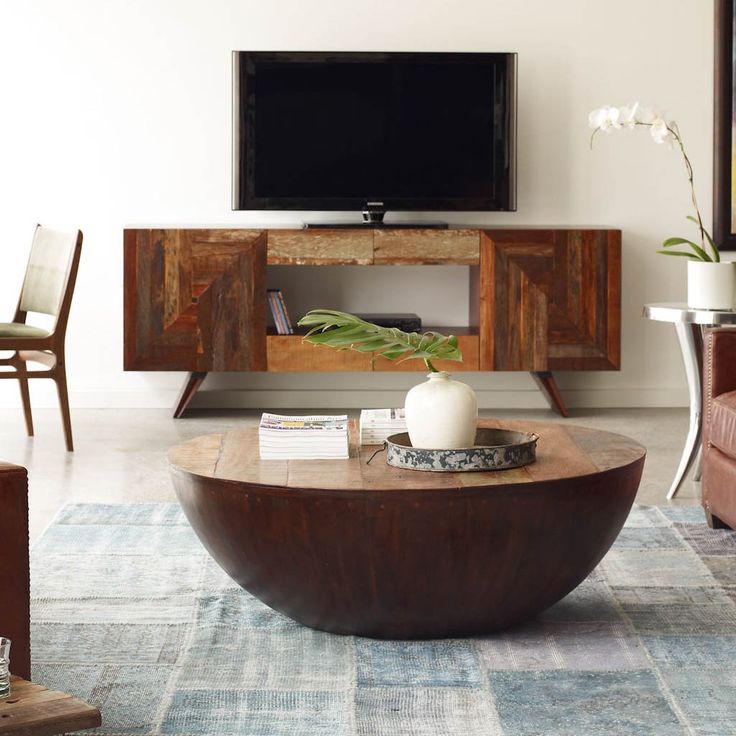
<point>494,449</point>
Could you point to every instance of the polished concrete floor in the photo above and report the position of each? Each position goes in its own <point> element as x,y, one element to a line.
<point>121,454</point>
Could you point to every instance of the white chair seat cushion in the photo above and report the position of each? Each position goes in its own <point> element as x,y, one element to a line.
<point>16,329</point>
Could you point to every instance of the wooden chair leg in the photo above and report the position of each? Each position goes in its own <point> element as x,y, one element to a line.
<point>25,396</point>
<point>60,379</point>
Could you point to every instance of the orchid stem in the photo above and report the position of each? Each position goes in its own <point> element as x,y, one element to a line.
<point>691,180</point>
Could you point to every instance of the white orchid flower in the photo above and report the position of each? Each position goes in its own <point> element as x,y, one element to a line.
<point>597,117</point>
<point>628,116</point>
<point>660,131</point>
<point>648,115</point>
<point>606,118</point>
<point>612,118</point>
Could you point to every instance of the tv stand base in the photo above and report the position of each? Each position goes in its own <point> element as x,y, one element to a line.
<point>376,226</point>
<point>544,379</point>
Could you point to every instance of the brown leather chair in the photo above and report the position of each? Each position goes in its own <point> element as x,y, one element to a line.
<point>719,428</point>
<point>14,575</point>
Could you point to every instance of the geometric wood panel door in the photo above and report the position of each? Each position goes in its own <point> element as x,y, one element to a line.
<point>195,300</point>
<point>550,300</point>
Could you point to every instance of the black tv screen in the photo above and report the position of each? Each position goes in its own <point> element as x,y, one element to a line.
<point>406,131</point>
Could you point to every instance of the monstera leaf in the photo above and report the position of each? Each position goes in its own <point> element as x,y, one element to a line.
<point>345,331</point>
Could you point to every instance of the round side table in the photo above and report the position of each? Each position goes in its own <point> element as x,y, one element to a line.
<point>689,325</point>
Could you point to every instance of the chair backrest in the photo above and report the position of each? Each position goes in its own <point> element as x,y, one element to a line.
<point>51,271</point>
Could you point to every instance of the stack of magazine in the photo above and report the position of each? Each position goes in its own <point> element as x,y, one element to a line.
<point>301,438</point>
<point>378,424</point>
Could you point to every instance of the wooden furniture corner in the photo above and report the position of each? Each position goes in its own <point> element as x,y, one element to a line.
<point>15,578</point>
<point>33,710</point>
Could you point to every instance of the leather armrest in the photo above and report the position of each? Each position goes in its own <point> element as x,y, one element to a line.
<point>720,361</point>
<point>14,567</point>
<point>719,371</point>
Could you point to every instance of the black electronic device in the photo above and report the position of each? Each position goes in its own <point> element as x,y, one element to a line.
<point>373,132</point>
<point>405,322</point>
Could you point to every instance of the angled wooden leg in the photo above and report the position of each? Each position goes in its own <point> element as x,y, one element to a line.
<point>548,386</point>
<point>191,386</point>
<point>25,396</point>
<point>60,379</point>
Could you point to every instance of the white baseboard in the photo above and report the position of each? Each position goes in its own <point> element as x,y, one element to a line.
<point>487,399</point>
<point>349,399</point>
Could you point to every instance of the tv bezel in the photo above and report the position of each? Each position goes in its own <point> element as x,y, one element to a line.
<point>504,174</point>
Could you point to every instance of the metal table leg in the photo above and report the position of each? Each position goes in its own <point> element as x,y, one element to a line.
<point>690,337</point>
<point>698,472</point>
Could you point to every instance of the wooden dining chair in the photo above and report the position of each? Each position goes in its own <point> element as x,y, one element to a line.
<point>48,287</point>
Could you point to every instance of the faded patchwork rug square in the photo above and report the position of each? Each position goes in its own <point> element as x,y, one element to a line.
<point>130,613</point>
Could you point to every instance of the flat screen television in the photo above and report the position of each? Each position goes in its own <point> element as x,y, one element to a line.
<point>374,131</point>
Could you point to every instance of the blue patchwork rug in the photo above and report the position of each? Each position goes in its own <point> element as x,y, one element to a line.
<point>131,614</point>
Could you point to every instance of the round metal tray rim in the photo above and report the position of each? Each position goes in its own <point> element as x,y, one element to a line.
<point>483,456</point>
<point>531,437</point>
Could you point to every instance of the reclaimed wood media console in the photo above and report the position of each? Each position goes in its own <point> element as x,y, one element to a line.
<point>540,300</point>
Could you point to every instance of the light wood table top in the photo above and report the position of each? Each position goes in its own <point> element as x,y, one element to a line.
<point>563,451</point>
<point>33,710</point>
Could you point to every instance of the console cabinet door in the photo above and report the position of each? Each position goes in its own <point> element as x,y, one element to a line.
<point>550,300</point>
<point>195,300</point>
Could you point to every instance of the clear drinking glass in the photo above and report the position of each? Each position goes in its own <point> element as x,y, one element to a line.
<point>4,667</point>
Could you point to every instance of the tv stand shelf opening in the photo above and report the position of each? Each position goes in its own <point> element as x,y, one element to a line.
<point>540,300</point>
<point>438,295</point>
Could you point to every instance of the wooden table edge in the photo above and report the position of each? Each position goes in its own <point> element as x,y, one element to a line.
<point>210,476</point>
<point>518,488</point>
<point>21,716</point>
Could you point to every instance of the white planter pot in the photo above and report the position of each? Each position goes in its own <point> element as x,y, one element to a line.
<point>441,414</point>
<point>711,285</point>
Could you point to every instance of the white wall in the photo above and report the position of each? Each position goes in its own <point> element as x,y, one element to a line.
<point>117,112</point>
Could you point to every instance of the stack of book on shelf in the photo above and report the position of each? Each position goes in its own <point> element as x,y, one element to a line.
<point>378,424</point>
<point>279,312</point>
<point>301,438</point>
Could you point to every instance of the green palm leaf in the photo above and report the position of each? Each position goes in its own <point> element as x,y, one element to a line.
<point>344,331</point>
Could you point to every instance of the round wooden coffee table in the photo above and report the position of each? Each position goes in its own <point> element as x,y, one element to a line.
<point>353,548</point>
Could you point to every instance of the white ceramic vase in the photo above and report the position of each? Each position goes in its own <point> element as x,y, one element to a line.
<point>441,413</point>
<point>711,285</point>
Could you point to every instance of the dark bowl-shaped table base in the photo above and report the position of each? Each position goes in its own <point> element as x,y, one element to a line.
<point>377,551</point>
